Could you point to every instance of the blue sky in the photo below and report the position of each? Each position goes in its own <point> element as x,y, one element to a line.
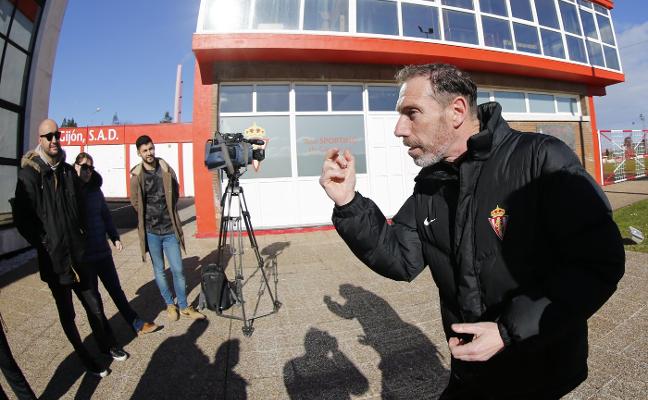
<point>121,56</point>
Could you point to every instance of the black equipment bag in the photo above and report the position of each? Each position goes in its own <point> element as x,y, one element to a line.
<point>217,290</point>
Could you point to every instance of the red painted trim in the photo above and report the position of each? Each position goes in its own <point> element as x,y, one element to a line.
<point>282,231</point>
<point>261,47</point>
<point>127,169</point>
<point>180,169</point>
<point>596,148</point>
<point>609,4</point>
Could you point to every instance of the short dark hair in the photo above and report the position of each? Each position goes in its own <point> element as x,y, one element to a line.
<point>83,156</point>
<point>445,81</point>
<point>142,140</point>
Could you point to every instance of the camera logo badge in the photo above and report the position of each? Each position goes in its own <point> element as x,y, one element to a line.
<point>498,221</point>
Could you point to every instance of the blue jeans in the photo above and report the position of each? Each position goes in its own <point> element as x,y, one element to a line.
<point>171,247</point>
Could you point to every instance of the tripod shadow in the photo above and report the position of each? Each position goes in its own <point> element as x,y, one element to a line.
<point>323,372</point>
<point>408,359</point>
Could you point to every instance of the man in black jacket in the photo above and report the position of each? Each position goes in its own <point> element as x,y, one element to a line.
<point>46,213</point>
<point>518,237</point>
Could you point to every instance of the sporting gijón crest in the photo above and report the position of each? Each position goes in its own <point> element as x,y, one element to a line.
<point>498,221</point>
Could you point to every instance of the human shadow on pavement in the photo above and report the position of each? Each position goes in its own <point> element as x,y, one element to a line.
<point>229,384</point>
<point>323,372</point>
<point>409,361</point>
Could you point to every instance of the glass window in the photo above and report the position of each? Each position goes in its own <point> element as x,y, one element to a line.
<point>227,15</point>
<point>311,98</point>
<point>497,32</point>
<point>611,58</point>
<point>483,97</point>
<point>6,8</point>
<point>588,24</point>
<point>383,98</point>
<point>600,9</point>
<point>13,72</point>
<point>377,16</point>
<point>459,3</point>
<point>318,133</point>
<point>552,43</point>
<point>585,3</point>
<point>595,53</point>
<point>326,15</point>
<point>605,28</point>
<point>521,9</point>
<point>8,133</point>
<point>511,101</point>
<point>236,98</point>
<point>567,105</point>
<point>277,152</point>
<point>420,21</point>
<point>541,103</point>
<point>576,49</point>
<point>21,30</point>
<point>570,18</point>
<point>459,27</point>
<point>9,178</point>
<point>272,97</point>
<point>546,12</point>
<point>494,7</point>
<point>346,98</point>
<point>526,38</point>
<point>276,14</point>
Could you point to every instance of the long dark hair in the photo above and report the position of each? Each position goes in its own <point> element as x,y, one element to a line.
<point>82,156</point>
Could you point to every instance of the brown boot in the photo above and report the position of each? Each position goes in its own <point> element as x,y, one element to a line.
<point>172,312</point>
<point>147,327</point>
<point>191,312</point>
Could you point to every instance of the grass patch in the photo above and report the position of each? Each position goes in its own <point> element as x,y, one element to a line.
<point>633,215</point>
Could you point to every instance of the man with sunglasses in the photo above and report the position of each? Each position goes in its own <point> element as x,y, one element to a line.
<point>46,213</point>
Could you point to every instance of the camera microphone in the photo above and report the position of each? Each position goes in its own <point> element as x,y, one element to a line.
<point>260,142</point>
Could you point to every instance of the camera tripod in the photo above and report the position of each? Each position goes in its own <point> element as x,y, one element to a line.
<point>231,239</point>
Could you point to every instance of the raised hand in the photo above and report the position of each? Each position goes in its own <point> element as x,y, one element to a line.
<point>338,176</point>
<point>485,344</point>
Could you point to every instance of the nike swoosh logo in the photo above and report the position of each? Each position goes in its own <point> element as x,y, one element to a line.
<point>426,222</point>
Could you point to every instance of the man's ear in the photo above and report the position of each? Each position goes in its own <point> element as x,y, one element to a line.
<point>460,110</point>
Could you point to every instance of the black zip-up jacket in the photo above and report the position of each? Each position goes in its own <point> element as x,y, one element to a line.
<point>46,213</point>
<point>558,260</point>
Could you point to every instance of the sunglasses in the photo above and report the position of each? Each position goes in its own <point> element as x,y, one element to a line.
<point>86,167</point>
<point>51,135</point>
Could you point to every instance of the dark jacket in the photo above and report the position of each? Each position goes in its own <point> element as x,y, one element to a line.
<point>46,213</point>
<point>559,258</point>
<point>171,194</point>
<point>98,221</point>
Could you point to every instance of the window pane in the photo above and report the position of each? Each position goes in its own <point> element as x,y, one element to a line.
<point>326,15</point>
<point>526,38</point>
<point>382,98</point>
<point>272,97</point>
<point>567,105</point>
<point>420,21</point>
<point>21,30</point>
<point>546,12</point>
<point>483,97</point>
<point>227,15</point>
<point>585,3</point>
<point>459,26</point>
<point>236,98</point>
<point>611,58</point>
<point>311,98</point>
<point>570,18</point>
<point>588,24</point>
<point>552,43</point>
<point>511,101</point>
<point>8,133</point>
<point>600,9</point>
<point>6,8</point>
<point>606,29</point>
<point>494,7</point>
<point>521,9</point>
<point>8,177</point>
<point>13,72</point>
<point>346,98</point>
<point>576,49</point>
<point>497,33</point>
<point>317,134</point>
<point>595,53</point>
<point>276,14</point>
<point>459,3</point>
<point>541,103</point>
<point>277,153</point>
<point>377,16</point>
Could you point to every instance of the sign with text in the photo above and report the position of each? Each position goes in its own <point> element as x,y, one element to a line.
<point>92,135</point>
<point>73,136</point>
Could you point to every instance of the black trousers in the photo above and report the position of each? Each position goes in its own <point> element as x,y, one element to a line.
<point>12,372</point>
<point>94,309</point>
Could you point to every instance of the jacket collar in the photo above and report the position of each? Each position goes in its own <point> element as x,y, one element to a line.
<point>137,170</point>
<point>492,131</point>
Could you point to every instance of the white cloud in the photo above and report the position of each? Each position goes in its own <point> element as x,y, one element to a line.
<point>625,101</point>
